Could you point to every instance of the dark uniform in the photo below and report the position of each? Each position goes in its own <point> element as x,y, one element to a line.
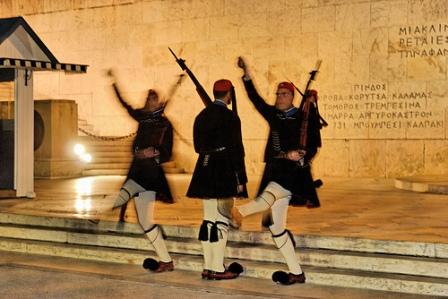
<point>146,179</point>
<point>284,136</point>
<point>219,171</point>
<point>154,130</point>
<point>220,167</point>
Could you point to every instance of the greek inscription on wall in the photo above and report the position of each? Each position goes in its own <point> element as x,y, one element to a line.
<point>374,106</point>
<point>423,40</point>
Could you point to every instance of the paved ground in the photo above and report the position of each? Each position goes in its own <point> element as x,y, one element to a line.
<point>33,276</point>
<point>367,208</point>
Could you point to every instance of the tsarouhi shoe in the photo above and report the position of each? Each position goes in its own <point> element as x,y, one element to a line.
<point>165,266</point>
<point>205,273</point>
<point>288,278</point>
<point>213,275</point>
<point>157,267</point>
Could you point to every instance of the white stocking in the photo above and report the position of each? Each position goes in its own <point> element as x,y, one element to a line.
<point>129,189</point>
<point>144,205</point>
<point>219,248</point>
<point>210,210</point>
<point>265,200</point>
<point>281,237</point>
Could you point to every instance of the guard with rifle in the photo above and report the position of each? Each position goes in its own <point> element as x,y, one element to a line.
<point>219,175</point>
<point>293,141</point>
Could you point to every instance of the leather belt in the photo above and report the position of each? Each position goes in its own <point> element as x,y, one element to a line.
<point>215,150</point>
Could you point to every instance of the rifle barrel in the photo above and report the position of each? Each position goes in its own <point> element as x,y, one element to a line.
<point>173,53</point>
<point>201,91</point>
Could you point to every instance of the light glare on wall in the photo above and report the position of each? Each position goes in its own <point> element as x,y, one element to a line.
<point>80,151</point>
<point>86,157</point>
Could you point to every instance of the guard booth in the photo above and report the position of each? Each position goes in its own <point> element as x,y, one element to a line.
<point>21,54</point>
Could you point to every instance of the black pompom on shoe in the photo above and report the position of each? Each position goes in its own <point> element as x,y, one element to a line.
<point>288,278</point>
<point>236,268</point>
<point>150,264</point>
<point>280,277</point>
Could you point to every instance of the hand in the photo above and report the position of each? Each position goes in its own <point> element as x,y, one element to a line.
<point>110,73</point>
<point>240,188</point>
<point>241,63</point>
<point>151,152</point>
<point>146,153</point>
<point>295,155</point>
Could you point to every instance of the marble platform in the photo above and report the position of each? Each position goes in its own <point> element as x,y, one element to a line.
<point>359,208</point>
<point>367,234</point>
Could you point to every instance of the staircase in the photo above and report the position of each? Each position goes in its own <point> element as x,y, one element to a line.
<point>396,266</point>
<point>113,157</point>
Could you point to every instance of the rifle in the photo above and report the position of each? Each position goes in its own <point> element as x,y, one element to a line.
<point>323,122</point>
<point>313,74</point>
<point>305,94</point>
<point>304,107</point>
<point>201,91</point>
<point>234,106</point>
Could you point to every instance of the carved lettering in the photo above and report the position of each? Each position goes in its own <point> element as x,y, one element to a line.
<point>374,106</point>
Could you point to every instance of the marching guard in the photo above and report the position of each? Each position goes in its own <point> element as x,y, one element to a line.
<point>146,181</point>
<point>294,139</point>
<point>219,176</point>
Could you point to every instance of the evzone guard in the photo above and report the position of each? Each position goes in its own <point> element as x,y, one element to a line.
<point>293,141</point>
<point>219,175</point>
<point>146,181</point>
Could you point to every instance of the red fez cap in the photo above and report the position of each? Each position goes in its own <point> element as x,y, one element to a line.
<point>222,85</point>
<point>286,85</point>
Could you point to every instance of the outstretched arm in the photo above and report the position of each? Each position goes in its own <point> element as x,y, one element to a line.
<point>262,107</point>
<point>132,112</point>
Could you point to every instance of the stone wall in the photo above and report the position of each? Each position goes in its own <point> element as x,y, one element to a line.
<point>383,82</point>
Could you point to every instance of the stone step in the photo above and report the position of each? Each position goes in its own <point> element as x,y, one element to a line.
<point>94,165</point>
<point>119,169</point>
<point>87,140</point>
<point>180,283</point>
<point>109,149</point>
<point>431,184</point>
<point>122,159</point>
<point>430,267</point>
<point>317,275</point>
<point>360,245</point>
<point>111,154</point>
<point>169,170</point>
<point>128,159</point>
<point>170,164</point>
<point>123,162</point>
<point>93,172</point>
<point>92,148</point>
<point>111,157</point>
